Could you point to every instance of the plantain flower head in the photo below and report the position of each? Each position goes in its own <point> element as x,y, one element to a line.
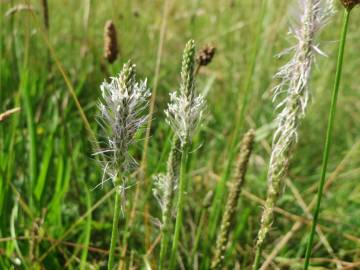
<point>122,106</point>
<point>185,110</point>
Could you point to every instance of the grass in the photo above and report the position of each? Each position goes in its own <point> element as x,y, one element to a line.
<point>50,216</point>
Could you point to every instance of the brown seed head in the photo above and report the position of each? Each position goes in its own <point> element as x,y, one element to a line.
<point>206,55</point>
<point>45,8</point>
<point>110,42</point>
<point>350,4</point>
<point>235,188</point>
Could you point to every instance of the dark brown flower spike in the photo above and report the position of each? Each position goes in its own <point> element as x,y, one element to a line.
<point>206,55</point>
<point>350,4</point>
<point>110,42</point>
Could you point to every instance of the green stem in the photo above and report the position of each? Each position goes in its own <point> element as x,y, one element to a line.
<point>328,139</point>
<point>180,206</point>
<point>114,232</point>
<point>198,235</point>
<point>164,247</point>
<point>165,236</point>
<point>257,258</point>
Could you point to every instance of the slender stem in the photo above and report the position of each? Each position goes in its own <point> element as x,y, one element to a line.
<point>257,258</point>
<point>164,241</point>
<point>180,206</point>
<point>31,125</point>
<point>199,231</point>
<point>328,139</point>
<point>114,232</point>
<point>164,246</point>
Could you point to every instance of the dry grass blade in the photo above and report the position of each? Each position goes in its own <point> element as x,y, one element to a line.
<point>302,220</point>
<point>8,113</point>
<point>18,8</point>
<point>331,179</point>
<point>306,210</point>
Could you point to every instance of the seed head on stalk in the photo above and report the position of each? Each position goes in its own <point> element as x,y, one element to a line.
<point>185,110</point>
<point>110,42</point>
<point>184,114</point>
<point>234,193</point>
<point>294,86</point>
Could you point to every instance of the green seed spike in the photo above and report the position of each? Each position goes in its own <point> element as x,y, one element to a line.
<point>187,69</point>
<point>127,75</point>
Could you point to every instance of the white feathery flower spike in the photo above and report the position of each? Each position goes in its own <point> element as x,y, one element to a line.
<point>184,114</point>
<point>161,186</point>
<point>122,105</point>
<point>295,75</point>
<point>185,109</point>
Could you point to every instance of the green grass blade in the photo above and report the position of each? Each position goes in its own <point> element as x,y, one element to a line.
<point>87,232</point>
<point>45,163</point>
<point>328,139</point>
<point>25,87</point>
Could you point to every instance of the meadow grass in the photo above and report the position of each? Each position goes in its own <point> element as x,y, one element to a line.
<point>51,217</point>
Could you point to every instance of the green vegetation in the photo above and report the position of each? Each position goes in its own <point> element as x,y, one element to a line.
<point>54,212</point>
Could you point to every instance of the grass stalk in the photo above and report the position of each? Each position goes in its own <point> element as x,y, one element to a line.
<point>164,246</point>
<point>31,125</point>
<point>257,259</point>
<point>328,139</point>
<point>180,205</point>
<point>114,231</point>
<point>184,114</point>
<point>87,232</point>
